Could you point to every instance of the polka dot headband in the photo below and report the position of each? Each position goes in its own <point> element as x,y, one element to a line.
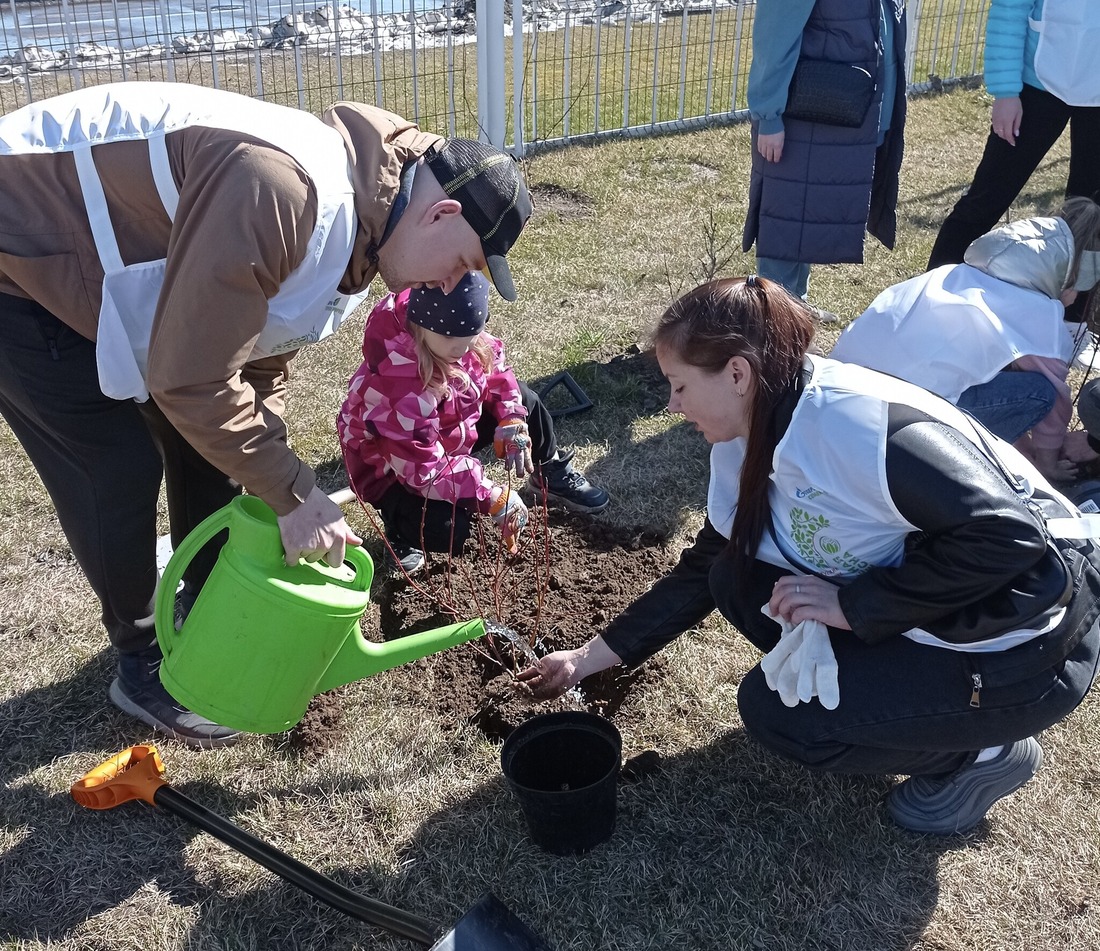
<point>462,313</point>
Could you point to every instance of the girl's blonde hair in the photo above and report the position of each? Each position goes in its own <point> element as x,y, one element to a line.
<point>438,374</point>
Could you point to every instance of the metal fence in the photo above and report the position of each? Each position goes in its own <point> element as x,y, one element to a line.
<point>521,74</point>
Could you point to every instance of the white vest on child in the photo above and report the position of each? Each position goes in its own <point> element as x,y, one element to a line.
<point>307,306</point>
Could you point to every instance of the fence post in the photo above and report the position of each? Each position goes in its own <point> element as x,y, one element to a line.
<point>490,71</point>
<point>519,144</point>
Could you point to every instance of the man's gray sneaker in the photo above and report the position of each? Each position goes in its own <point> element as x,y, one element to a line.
<point>137,690</point>
<point>957,802</point>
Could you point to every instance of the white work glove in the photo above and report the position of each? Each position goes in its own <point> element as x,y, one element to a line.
<point>512,443</point>
<point>511,517</point>
<point>802,665</point>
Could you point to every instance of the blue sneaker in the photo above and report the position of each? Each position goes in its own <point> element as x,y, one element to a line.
<point>137,690</point>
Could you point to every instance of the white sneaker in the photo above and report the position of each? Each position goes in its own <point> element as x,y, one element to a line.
<point>1087,356</point>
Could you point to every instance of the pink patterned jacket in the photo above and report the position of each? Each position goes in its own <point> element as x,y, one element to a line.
<point>393,429</point>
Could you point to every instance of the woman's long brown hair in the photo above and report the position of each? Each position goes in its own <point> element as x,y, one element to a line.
<point>758,320</point>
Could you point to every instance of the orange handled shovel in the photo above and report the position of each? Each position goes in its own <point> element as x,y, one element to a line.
<point>138,773</point>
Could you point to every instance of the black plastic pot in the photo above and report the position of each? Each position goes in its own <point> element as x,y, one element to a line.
<point>564,770</point>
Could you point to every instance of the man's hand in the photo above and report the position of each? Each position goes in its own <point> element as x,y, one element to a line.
<point>771,145</point>
<point>1007,115</point>
<point>316,529</point>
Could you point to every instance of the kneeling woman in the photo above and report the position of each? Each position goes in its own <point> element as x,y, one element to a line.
<point>887,534</point>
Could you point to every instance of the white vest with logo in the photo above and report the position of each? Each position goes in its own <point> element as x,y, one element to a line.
<point>307,306</point>
<point>831,507</point>
<point>1065,56</point>
<point>955,327</point>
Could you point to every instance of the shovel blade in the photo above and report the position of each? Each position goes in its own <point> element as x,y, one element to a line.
<point>490,926</point>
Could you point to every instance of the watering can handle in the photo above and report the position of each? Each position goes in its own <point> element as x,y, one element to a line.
<point>164,612</point>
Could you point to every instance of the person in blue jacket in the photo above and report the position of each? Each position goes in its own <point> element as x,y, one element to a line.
<point>816,188</point>
<point>1040,69</point>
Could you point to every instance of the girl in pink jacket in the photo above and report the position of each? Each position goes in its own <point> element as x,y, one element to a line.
<point>433,390</point>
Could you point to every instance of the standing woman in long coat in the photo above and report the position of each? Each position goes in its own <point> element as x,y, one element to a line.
<point>816,188</point>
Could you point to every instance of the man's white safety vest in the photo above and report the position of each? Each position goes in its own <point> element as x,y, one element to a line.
<point>306,307</point>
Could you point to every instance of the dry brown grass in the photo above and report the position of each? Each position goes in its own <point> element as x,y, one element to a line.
<point>726,848</point>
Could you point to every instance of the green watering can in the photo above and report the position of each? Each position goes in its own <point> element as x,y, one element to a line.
<point>264,638</point>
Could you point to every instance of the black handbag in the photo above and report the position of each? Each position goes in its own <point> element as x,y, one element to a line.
<point>830,93</point>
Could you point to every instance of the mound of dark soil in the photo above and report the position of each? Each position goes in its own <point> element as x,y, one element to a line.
<point>572,575</point>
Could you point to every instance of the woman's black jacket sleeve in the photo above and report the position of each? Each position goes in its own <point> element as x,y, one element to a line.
<point>679,601</point>
<point>980,564</point>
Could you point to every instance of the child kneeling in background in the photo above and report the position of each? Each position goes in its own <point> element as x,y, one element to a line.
<point>433,389</point>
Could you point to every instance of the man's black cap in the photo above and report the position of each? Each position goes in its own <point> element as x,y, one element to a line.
<point>494,197</point>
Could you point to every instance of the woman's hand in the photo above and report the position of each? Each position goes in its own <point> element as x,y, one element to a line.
<point>771,145</point>
<point>552,675</point>
<point>1052,466</point>
<point>1007,114</point>
<point>798,598</point>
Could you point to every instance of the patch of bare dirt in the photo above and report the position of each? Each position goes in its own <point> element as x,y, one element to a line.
<point>563,202</point>
<point>571,577</point>
<point>594,571</point>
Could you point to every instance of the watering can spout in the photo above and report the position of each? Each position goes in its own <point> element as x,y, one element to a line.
<point>361,658</point>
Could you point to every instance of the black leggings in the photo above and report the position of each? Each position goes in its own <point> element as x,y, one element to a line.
<point>1005,169</point>
<point>102,462</point>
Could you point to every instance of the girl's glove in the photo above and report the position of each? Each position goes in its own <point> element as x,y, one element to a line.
<point>510,515</point>
<point>512,443</point>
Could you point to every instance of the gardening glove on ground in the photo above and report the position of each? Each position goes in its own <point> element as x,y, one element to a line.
<point>512,443</point>
<point>802,665</point>
<point>510,515</point>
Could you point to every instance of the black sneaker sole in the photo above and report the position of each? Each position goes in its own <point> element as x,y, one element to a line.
<point>537,493</point>
<point>120,699</point>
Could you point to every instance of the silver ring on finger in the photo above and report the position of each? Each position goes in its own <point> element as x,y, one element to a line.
<point>798,589</point>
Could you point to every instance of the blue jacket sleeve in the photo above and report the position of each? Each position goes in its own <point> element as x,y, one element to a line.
<point>1005,41</point>
<point>776,43</point>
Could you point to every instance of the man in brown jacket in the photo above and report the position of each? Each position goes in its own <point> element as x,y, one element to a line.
<point>164,251</point>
